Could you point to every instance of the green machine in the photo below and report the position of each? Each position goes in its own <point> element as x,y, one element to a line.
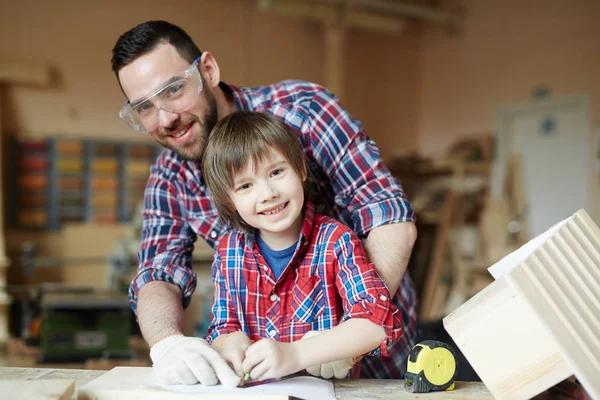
<point>76,327</point>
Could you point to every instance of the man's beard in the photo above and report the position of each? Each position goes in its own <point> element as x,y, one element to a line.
<point>205,126</point>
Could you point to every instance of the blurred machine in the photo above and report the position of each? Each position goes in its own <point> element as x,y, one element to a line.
<point>76,327</point>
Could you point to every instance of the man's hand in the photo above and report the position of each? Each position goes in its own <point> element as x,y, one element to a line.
<point>188,360</point>
<point>233,349</point>
<point>338,369</point>
<point>268,359</point>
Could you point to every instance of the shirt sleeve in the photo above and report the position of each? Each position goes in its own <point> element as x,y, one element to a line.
<point>362,183</point>
<point>224,316</point>
<point>167,241</point>
<point>363,292</point>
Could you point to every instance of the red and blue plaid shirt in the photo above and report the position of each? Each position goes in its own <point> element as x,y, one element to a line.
<point>328,280</point>
<point>348,180</point>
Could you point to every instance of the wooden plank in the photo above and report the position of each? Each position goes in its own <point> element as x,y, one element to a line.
<point>55,389</point>
<point>560,282</point>
<point>126,383</point>
<point>355,389</point>
<point>26,73</point>
<point>347,389</point>
<point>436,269</point>
<point>510,350</point>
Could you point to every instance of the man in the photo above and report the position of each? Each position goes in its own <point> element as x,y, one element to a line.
<point>175,94</point>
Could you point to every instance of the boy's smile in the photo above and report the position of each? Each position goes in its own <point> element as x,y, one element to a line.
<point>269,196</point>
<point>274,210</point>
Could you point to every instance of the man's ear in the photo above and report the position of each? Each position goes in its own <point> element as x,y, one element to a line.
<point>209,69</point>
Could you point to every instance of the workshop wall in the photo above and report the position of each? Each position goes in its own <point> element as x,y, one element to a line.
<point>506,49</point>
<point>75,39</point>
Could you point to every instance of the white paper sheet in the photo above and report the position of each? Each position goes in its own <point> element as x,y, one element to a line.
<point>506,264</point>
<point>302,387</point>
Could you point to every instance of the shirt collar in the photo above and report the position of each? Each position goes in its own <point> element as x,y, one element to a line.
<point>242,100</point>
<point>305,233</point>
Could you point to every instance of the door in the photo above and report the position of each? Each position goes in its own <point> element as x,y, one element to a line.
<point>552,138</point>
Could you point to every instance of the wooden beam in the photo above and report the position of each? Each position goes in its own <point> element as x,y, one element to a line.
<point>335,59</point>
<point>335,14</point>
<point>24,73</point>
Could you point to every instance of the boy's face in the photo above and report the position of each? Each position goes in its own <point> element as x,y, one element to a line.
<point>269,197</point>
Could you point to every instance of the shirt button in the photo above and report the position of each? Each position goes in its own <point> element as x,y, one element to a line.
<point>274,297</point>
<point>265,267</point>
<point>383,298</point>
<point>273,332</point>
<point>213,234</point>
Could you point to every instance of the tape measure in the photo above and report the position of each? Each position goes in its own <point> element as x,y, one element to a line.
<point>432,366</point>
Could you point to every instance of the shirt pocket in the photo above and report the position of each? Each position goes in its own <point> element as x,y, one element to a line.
<point>308,300</point>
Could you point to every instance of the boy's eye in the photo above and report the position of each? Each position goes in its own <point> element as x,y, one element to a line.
<point>277,171</point>
<point>243,187</point>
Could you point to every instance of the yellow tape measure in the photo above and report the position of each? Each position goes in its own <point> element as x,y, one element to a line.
<point>432,366</point>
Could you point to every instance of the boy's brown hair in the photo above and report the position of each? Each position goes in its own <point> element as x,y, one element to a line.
<point>234,141</point>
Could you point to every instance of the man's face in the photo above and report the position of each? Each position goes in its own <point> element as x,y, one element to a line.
<point>184,132</point>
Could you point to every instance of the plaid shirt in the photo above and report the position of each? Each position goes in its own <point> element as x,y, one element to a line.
<point>328,279</point>
<point>347,177</point>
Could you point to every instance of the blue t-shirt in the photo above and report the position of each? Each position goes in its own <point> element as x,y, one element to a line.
<point>277,259</point>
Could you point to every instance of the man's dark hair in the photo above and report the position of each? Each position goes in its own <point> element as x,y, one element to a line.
<point>145,37</point>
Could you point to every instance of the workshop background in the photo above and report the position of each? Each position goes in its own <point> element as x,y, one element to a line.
<point>487,111</point>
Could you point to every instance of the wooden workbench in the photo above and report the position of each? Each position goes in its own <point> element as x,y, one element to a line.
<point>344,389</point>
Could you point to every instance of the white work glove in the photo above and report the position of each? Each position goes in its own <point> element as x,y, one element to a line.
<point>338,369</point>
<point>181,360</point>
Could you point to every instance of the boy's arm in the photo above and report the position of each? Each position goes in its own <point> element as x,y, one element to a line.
<point>225,330</point>
<point>350,339</point>
<point>225,318</point>
<point>363,292</point>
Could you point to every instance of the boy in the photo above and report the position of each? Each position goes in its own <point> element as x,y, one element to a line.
<point>285,271</point>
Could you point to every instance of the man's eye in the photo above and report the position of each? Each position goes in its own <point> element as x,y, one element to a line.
<point>175,89</point>
<point>144,108</point>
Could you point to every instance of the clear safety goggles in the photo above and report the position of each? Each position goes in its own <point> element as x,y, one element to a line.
<point>176,95</point>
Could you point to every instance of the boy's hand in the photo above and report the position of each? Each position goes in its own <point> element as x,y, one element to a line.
<point>338,369</point>
<point>188,360</point>
<point>268,359</point>
<point>233,348</point>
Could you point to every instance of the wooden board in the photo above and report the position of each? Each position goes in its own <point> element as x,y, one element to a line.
<point>427,308</point>
<point>510,351</point>
<point>560,282</point>
<point>353,389</point>
<point>540,320</point>
<point>18,389</point>
<point>346,389</point>
<point>127,383</point>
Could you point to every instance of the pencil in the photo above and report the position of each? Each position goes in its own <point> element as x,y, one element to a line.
<point>247,377</point>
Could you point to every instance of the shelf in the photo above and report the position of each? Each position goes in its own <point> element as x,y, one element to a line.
<point>63,180</point>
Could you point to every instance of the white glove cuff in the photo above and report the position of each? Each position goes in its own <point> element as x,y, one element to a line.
<point>159,349</point>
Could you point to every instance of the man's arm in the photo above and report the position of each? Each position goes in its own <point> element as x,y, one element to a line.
<point>164,281</point>
<point>377,206</point>
<point>160,311</point>
<point>389,248</point>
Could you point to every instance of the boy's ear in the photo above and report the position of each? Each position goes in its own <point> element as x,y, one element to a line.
<point>304,173</point>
